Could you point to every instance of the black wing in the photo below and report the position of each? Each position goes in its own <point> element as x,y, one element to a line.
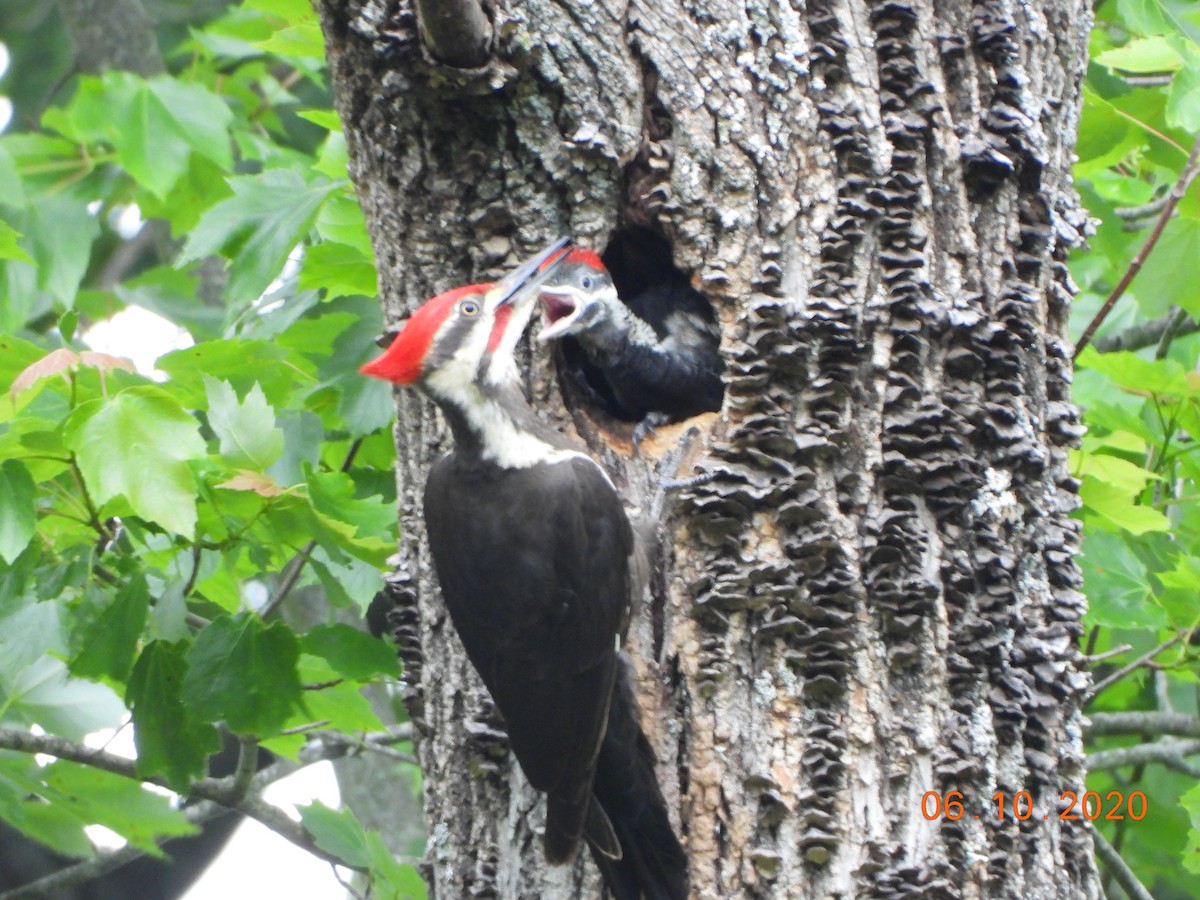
<point>534,569</point>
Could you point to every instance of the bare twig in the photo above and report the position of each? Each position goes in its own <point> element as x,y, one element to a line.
<point>1145,211</point>
<point>1166,752</point>
<point>1175,319</point>
<point>1108,654</point>
<point>456,32</point>
<point>219,790</point>
<point>1190,169</point>
<point>1160,80</point>
<point>1121,872</point>
<point>1145,334</point>
<point>1151,723</point>
<point>1133,666</point>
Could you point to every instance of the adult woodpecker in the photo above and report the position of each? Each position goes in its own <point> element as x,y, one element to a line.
<point>657,352</point>
<point>535,557</point>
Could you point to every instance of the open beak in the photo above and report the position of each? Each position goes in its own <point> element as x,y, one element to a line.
<point>526,277</point>
<point>562,309</point>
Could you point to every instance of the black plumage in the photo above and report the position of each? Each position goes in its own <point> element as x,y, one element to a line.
<point>534,555</point>
<point>540,609</point>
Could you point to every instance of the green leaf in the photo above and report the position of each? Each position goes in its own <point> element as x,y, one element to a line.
<point>1112,470</point>
<point>243,672</point>
<point>154,126</point>
<point>1117,584</point>
<point>241,363</point>
<point>339,832</point>
<point>348,580</point>
<point>258,227</point>
<point>332,496</point>
<point>340,269</point>
<point>1190,801</point>
<point>1183,104</point>
<point>336,831</point>
<point>43,694</point>
<point>170,741</point>
<point>1137,375</point>
<point>195,113</point>
<point>12,188</point>
<point>18,519</point>
<point>247,432</point>
<point>23,808</point>
<point>9,248</point>
<point>59,234</point>
<point>135,813</point>
<point>173,295</point>
<point>1119,508</point>
<point>29,632</point>
<point>1142,55</point>
<point>352,653</point>
<point>108,638</point>
<point>1174,262</point>
<point>137,444</point>
<point>1181,588</point>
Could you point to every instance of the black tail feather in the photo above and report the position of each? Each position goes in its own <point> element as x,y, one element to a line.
<point>653,865</point>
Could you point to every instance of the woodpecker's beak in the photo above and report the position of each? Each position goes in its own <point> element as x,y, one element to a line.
<point>565,310</point>
<point>525,278</point>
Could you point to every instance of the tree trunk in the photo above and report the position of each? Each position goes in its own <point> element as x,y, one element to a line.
<point>875,595</point>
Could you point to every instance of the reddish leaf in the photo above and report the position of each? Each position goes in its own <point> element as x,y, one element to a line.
<point>246,480</point>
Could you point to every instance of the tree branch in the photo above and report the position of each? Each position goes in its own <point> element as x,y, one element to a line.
<point>1190,169</point>
<point>218,790</point>
<point>456,32</point>
<point>1135,665</point>
<point>1112,859</point>
<point>1169,753</point>
<point>1146,334</point>
<point>1154,723</point>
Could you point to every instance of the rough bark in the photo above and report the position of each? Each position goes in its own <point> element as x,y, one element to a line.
<point>875,595</point>
<point>112,34</point>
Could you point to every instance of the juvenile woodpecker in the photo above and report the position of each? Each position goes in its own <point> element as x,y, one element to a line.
<point>534,554</point>
<point>657,352</point>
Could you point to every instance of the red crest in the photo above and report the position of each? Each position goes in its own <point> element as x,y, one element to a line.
<point>403,361</point>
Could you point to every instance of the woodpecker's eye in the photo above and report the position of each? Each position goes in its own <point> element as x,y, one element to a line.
<point>586,282</point>
<point>469,308</point>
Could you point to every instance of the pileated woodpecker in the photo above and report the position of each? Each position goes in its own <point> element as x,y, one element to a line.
<point>534,554</point>
<point>657,352</point>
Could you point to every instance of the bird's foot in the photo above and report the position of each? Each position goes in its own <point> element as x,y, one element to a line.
<point>647,428</point>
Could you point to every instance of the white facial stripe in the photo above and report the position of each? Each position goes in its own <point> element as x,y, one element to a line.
<point>503,443</point>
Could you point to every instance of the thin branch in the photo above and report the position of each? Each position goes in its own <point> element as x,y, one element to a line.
<point>456,32</point>
<point>1175,319</point>
<point>1166,752</point>
<point>1144,211</point>
<point>1135,665</point>
<point>1108,654</point>
<point>1120,870</point>
<point>1151,723</point>
<point>1160,80</point>
<point>247,765</point>
<point>1190,169</point>
<point>219,790</point>
<point>1145,334</point>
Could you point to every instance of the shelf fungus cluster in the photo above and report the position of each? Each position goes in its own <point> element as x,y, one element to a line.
<point>910,446</point>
